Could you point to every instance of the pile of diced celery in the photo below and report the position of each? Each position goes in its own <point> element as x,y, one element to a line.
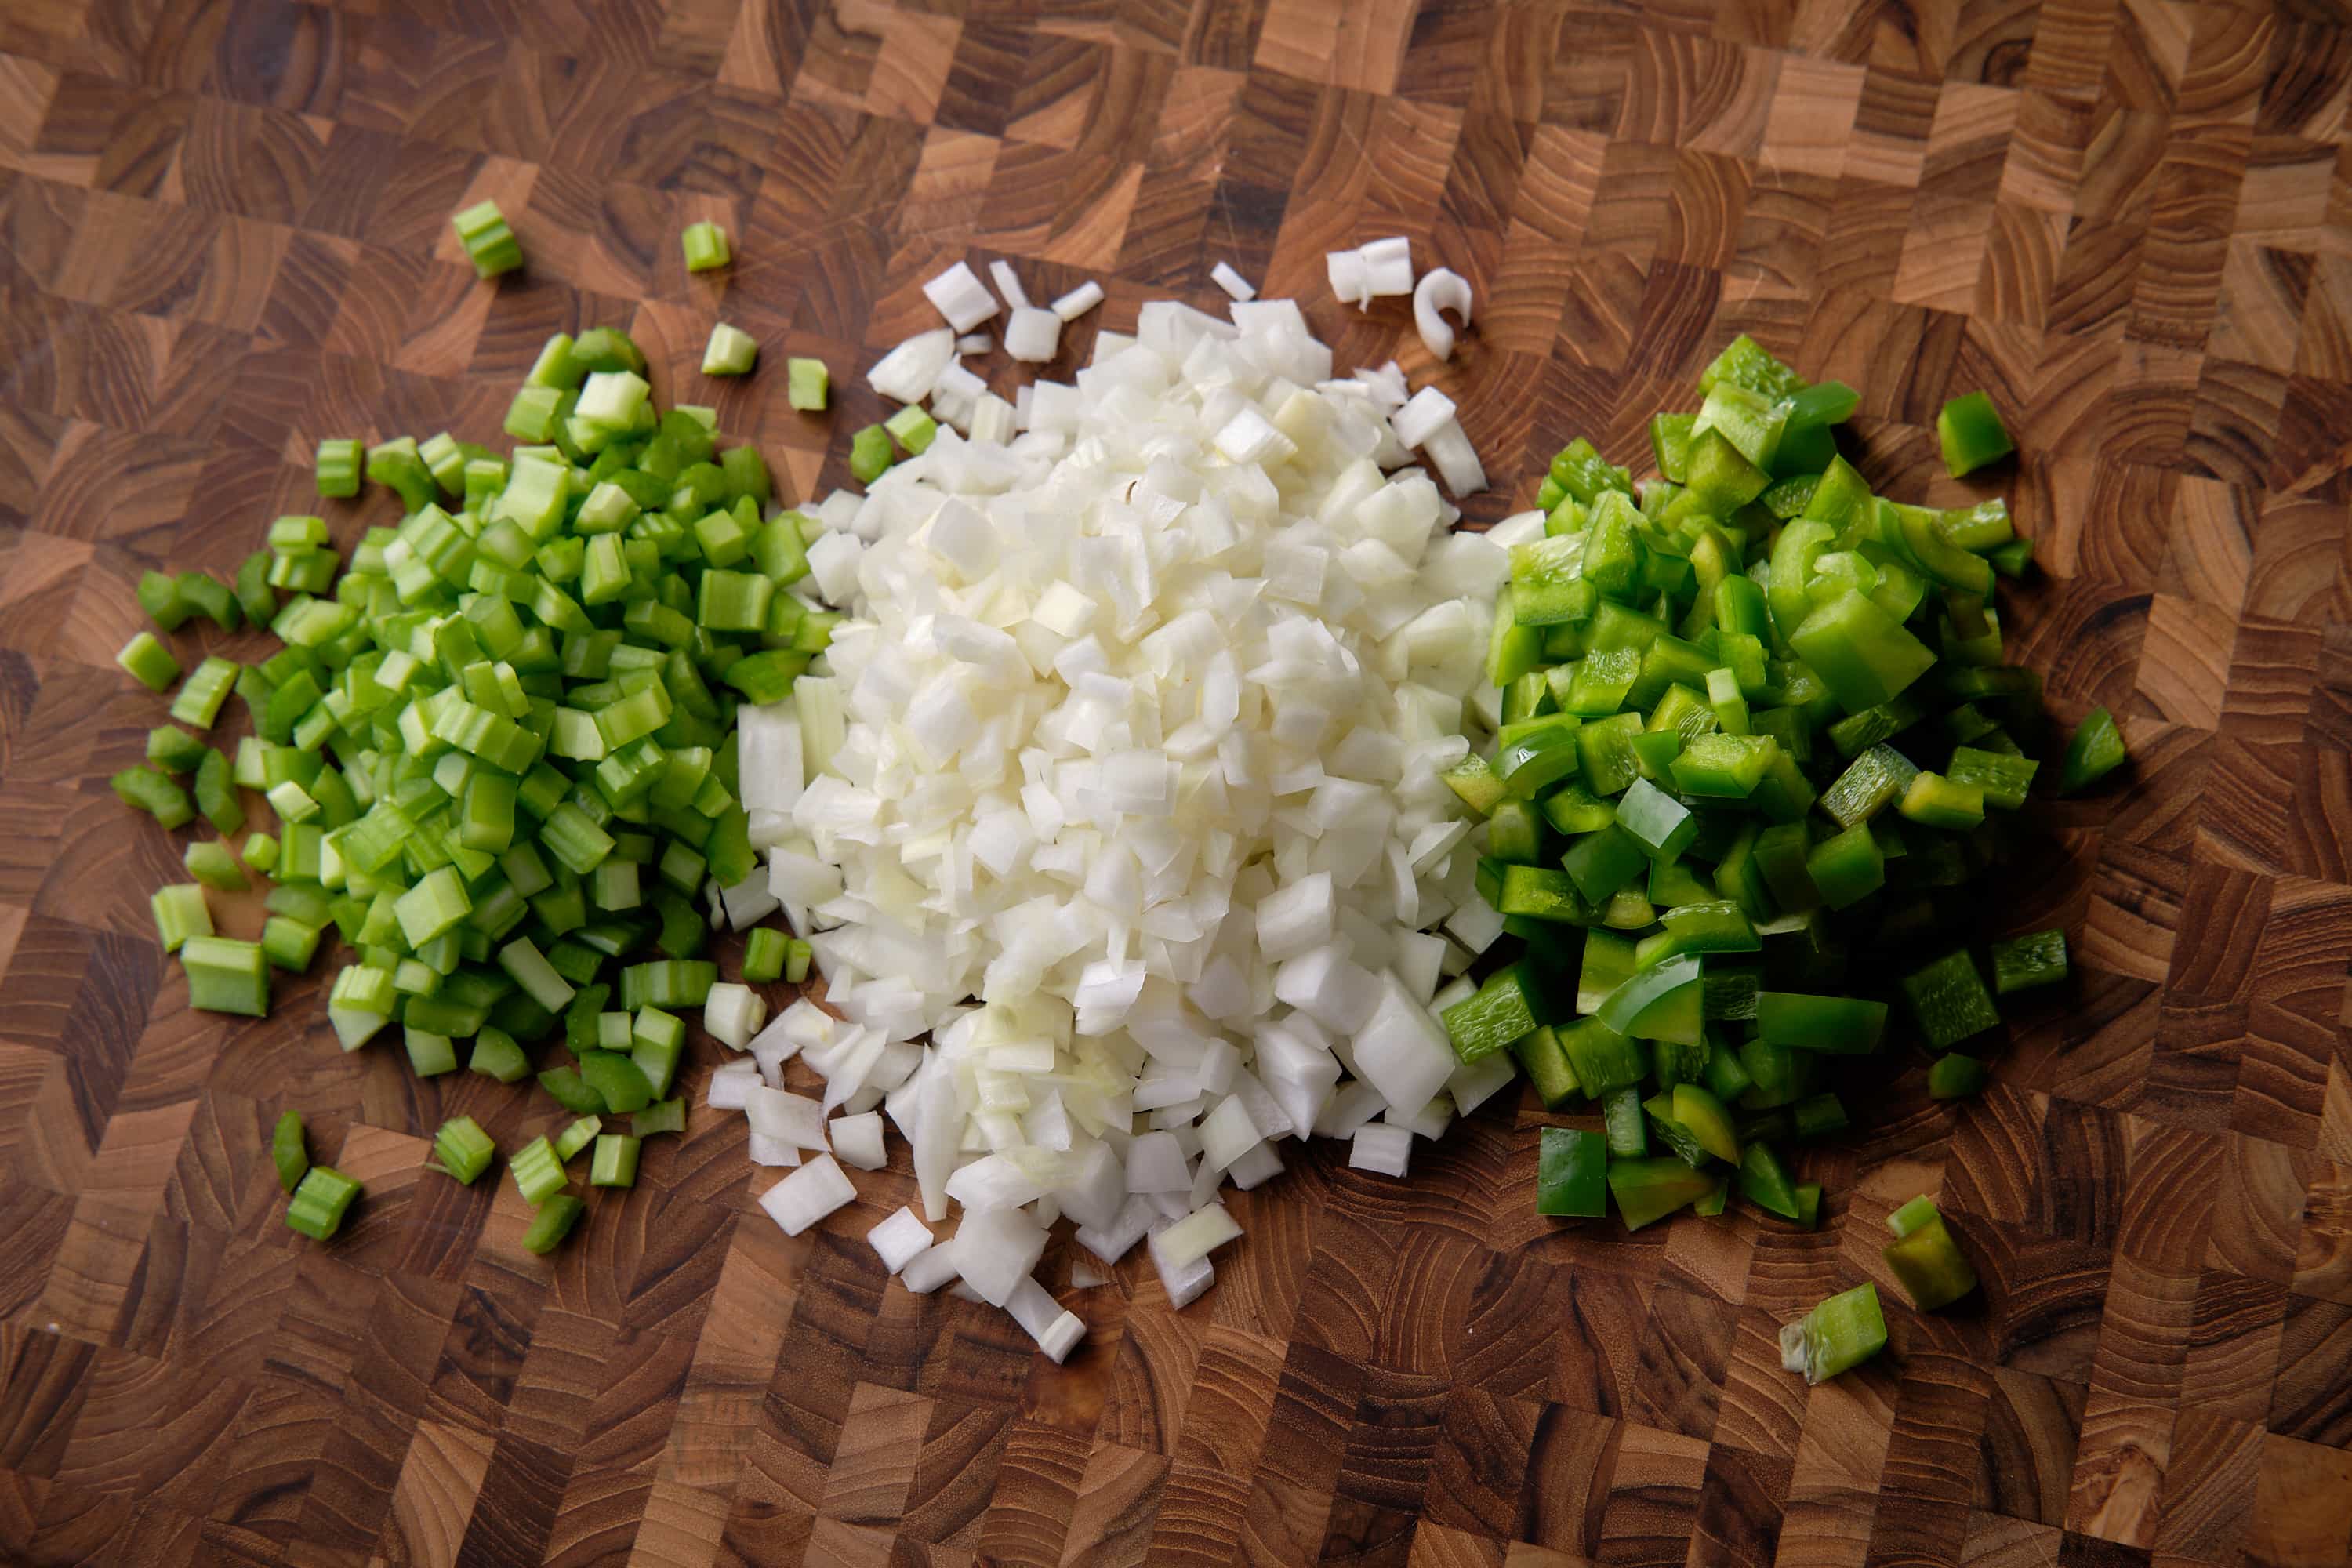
<point>498,743</point>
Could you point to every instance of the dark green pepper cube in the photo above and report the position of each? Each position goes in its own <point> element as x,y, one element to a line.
<point>1865,654</point>
<point>1925,1259</point>
<point>1488,1021</point>
<point>1949,1000</point>
<point>1723,766</point>
<point>1870,781</point>
<point>1543,571</point>
<point>1650,1190</point>
<point>2037,958</point>
<point>1535,892</point>
<point>1764,1181</point>
<point>1848,867</point>
<point>1541,1056</point>
<point>1605,750</point>
<point>1603,1059</point>
<point>1663,824</point>
<point>1955,1077</point>
<point>1539,755</point>
<point>1841,1025</point>
<point>1970,432</point>
<point>1571,1173</point>
<point>2096,750</point>
<point>1600,863</point>
<point>2003,778</point>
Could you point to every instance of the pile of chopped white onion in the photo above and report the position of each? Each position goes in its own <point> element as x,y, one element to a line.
<point>1115,817</point>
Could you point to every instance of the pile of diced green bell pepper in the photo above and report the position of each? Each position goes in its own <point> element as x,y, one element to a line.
<point>1757,739</point>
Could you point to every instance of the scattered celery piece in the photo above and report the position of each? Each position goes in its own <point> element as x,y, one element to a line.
<point>576,1137</point>
<point>807,384</point>
<point>615,1163</point>
<point>705,247</point>
<point>211,863</point>
<point>870,455</point>
<point>180,914</point>
<point>730,351</point>
<point>338,467</point>
<point>320,1201</point>
<point>462,1150</point>
<point>149,662</point>
<point>286,1150</point>
<point>490,243</point>
<point>551,1224</point>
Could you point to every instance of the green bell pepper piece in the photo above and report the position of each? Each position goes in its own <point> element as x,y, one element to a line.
<point>1624,1123</point>
<point>1863,654</point>
<point>1660,1003</point>
<point>1662,825</point>
<point>1836,1336</point>
<point>2096,750</point>
<point>1925,1259</point>
<point>1708,1119</point>
<point>2037,958</point>
<point>1541,1058</point>
<point>1949,1000</point>
<point>1581,472</point>
<point>1487,1021</point>
<point>1603,1058</point>
<point>1650,1190</point>
<point>1571,1173</point>
<point>1670,439</point>
<point>1933,800</point>
<point>2004,779</point>
<point>1717,927</point>
<point>1600,863</point>
<point>1608,964</point>
<point>1537,892</point>
<point>1844,1025</point>
<point>1476,784</point>
<point>1723,767</point>
<point>1764,1182</point>
<point>1955,1077</point>
<point>1544,752</point>
<point>1572,808</point>
<point>1847,867</point>
<point>1970,432</point>
<point>1747,363</point>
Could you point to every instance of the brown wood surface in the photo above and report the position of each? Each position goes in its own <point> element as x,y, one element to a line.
<point>223,235</point>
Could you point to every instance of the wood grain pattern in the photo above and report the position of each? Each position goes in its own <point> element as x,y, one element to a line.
<point>223,236</point>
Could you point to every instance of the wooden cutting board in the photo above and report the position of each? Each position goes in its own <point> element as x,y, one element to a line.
<point>223,234</point>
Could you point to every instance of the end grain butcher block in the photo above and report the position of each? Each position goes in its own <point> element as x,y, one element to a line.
<point>223,234</point>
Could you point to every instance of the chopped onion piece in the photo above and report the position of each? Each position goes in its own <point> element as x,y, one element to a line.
<point>1348,282</point>
<point>1427,412</point>
<point>899,1240</point>
<point>928,1269</point>
<point>1000,272</point>
<point>733,1014</point>
<point>1195,1236</point>
<point>1456,459</point>
<point>909,372</point>
<point>731,1085</point>
<point>1444,290</point>
<point>1078,300</point>
<point>959,296</point>
<point>1184,1282</point>
<point>1388,266</point>
<point>975,344</point>
<point>857,1140</point>
<point>1383,1149</point>
<point>1233,282</point>
<point>1032,335</point>
<point>808,1195</point>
